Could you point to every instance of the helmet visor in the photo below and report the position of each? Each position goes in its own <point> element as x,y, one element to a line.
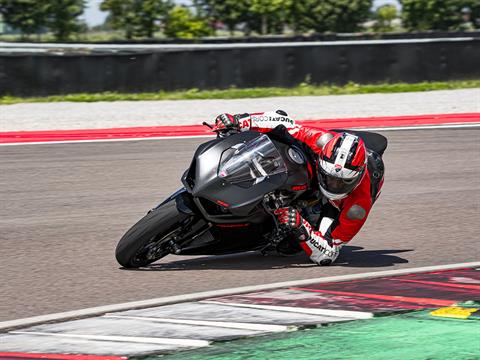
<point>336,185</point>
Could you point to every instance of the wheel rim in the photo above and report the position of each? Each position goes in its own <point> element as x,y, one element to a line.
<point>154,249</point>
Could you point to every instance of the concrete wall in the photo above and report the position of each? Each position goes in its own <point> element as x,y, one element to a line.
<point>46,69</point>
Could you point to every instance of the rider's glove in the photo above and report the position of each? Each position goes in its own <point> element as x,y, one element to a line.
<point>321,251</point>
<point>291,219</point>
<point>225,122</point>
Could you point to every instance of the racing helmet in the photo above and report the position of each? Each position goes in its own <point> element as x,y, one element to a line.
<point>341,165</point>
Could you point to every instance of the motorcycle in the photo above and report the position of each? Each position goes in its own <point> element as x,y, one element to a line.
<point>230,191</point>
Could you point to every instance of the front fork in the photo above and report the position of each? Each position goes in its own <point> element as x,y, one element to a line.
<point>186,206</point>
<point>270,204</point>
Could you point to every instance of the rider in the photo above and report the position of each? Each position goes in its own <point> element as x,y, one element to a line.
<point>349,176</point>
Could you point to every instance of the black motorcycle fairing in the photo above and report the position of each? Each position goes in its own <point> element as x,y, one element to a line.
<point>223,237</point>
<point>183,200</point>
<point>205,182</point>
<point>189,174</point>
<point>242,223</point>
<point>228,239</point>
<point>222,201</point>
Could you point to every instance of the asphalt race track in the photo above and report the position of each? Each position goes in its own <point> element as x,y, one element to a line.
<point>65,206</point>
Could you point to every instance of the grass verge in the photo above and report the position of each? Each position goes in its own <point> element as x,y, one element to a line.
<point>235,93</point>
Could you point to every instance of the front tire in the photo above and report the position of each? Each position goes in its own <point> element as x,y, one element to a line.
<point>147,240</point>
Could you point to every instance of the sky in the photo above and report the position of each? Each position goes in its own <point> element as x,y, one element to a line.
<point>93,16</point>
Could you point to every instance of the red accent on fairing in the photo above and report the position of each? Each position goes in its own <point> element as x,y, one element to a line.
<point>299,187</point>
<point>305,248</point>
<point>18,355</point>
<point>436,283</point>
<point>222,203</point>
<point>199,130</point>
<point>426,301</point>
<point>232,225</point>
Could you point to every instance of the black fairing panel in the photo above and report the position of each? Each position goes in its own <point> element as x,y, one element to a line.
<point>214,195</point>
<point>209,185</point>
<point>233,240</point>
<point>241,223</point>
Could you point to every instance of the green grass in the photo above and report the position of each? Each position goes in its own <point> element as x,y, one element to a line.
<point>235,93</point>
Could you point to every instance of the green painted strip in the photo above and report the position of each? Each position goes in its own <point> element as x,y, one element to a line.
<point>304,89</point>
<point>414,336</point>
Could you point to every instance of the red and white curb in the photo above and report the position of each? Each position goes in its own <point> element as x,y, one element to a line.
<point>196,320</point>
<point>451,121</point>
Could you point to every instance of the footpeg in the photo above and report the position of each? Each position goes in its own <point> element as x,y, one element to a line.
<point>174,248</point>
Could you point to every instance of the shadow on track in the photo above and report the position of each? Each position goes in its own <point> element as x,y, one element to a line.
<point>355,256</point>
<point>351,256</point>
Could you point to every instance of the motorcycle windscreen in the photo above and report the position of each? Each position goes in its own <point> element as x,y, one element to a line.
<point>252,162</point>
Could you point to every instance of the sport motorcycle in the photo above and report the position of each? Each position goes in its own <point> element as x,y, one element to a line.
<point>226,204</point>
<point>230,192</point>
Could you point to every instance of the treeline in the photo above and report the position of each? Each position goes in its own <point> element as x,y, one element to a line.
<point>143,18</point>
<point>33,16</point>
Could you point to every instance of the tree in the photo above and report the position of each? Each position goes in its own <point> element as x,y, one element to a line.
<point>436,14</point>
<point>62,17</point>
<point>229,12</point>
<point>28,16</point>
<point>327,15</point>
<point>266,16</point>
<point>136,17</point>
<point>385,15</point>
<point>120,15</point>
<point>296,12</point>
<point>182,24</point>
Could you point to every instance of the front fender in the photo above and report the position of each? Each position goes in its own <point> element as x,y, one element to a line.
<point>183,201</point>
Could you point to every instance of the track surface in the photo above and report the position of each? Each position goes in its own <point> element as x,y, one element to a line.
<point>64,207</point>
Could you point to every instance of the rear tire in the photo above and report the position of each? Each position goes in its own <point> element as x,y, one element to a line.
<point>146,241</point>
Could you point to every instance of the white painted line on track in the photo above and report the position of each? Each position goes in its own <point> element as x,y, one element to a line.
<point>391,128</point>
<point>101,310</point>
<point>357,315</point>
<point>131,339</point>
<point>222,324</point>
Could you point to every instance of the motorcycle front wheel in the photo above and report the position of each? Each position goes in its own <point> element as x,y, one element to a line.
<point>150,238</point>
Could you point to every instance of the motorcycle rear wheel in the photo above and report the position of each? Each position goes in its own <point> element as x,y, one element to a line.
<point>148,240</point>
